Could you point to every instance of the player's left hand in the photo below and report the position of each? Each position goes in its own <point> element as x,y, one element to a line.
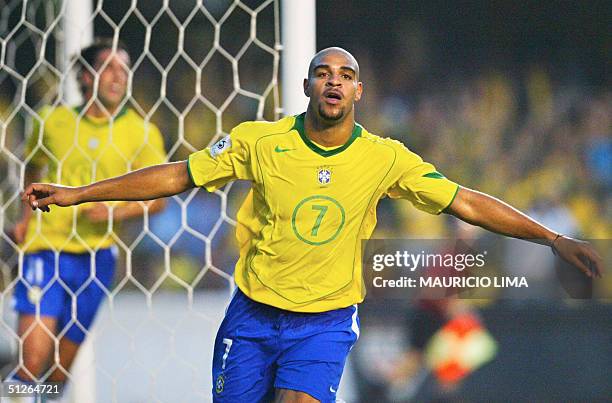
<point>97,212</point>
<point>580,254</point>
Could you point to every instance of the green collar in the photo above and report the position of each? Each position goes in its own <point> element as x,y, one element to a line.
<point>299,126</point>
<point>122,112</point>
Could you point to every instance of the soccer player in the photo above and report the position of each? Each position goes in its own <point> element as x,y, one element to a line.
<point>75,146</point>
<point>317,178</point>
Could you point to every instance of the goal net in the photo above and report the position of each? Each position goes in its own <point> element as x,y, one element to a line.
<point>198,69</point>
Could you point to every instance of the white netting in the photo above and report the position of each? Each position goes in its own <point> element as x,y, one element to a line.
<point>198,69</point>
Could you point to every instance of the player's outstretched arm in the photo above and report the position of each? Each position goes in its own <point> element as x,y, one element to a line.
<point>144,184</point>
<point>494,215</point>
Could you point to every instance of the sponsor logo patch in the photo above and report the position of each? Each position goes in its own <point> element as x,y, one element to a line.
<point>220,146</point>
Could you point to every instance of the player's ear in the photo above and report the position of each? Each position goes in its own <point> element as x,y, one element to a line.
<point>86,79</point>
<point>358,91</point>
<point>307,87</point>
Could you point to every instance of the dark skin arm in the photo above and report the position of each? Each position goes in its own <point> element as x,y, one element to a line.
<point>169,179</point>
<point>144,184</point>
<point>494,215</point>
<point>97,212</point>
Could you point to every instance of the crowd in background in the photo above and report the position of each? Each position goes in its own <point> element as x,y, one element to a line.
<point>534,143</point>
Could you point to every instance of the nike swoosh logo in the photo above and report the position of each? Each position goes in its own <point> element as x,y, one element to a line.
<point>282,150</point>
<point>331,389</point>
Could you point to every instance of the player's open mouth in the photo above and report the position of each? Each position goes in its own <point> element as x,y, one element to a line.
<point>333,97</point>
<point>116,88</point>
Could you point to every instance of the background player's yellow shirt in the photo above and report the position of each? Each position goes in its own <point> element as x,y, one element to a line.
<point>300,228</point>
<point>76,150</point>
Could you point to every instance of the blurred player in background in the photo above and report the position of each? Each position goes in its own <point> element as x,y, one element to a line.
<point>440,316</point>
<point>100,139</point>
<point>317,178</point>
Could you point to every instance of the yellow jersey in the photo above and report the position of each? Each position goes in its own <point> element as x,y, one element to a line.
<point>73,149</point>
<point>301,227</point>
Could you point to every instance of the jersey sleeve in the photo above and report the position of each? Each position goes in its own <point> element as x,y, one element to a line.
<point>422,185</point>
<point>225,161</point>
<point>152,152</point>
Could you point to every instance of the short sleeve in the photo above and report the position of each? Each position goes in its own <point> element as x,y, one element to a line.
<point>426,188</point>
<point>226,160</point>
<point>153,152</point>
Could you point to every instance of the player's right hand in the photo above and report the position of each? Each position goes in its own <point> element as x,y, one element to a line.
<point>42,195</point>
<point>97,212</point>
<point>18,233</point>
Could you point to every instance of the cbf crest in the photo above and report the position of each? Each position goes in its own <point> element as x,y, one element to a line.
<point>324,175</point>
<point>220,383</point>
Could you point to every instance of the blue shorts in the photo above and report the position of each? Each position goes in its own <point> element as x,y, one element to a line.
<point>260,348</point>
<point>42,290</point>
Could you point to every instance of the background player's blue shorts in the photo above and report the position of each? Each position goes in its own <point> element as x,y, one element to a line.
<point>260,348</point>
<point>54,293</point>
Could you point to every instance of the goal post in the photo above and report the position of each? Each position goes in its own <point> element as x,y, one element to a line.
<point>78,32</point>
<point>299,37</point>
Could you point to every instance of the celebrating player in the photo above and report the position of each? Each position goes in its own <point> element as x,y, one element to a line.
<point>317,178</point>
<point>98,140</point>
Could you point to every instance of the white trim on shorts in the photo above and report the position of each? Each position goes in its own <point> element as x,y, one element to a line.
<point>354,324</point>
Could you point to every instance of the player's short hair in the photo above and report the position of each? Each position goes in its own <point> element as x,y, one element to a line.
<point>334,49</point>
<point>86,59</point>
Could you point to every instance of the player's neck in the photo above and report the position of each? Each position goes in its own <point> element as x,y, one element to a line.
<point>98,111</point>
<point>326,134</point>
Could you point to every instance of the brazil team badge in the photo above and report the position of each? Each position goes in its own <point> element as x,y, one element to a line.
<point>34,295</point>
<point>220,383</point>
<point>324,176</point>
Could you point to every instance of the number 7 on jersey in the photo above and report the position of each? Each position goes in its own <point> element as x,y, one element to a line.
<point>317,224</point>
